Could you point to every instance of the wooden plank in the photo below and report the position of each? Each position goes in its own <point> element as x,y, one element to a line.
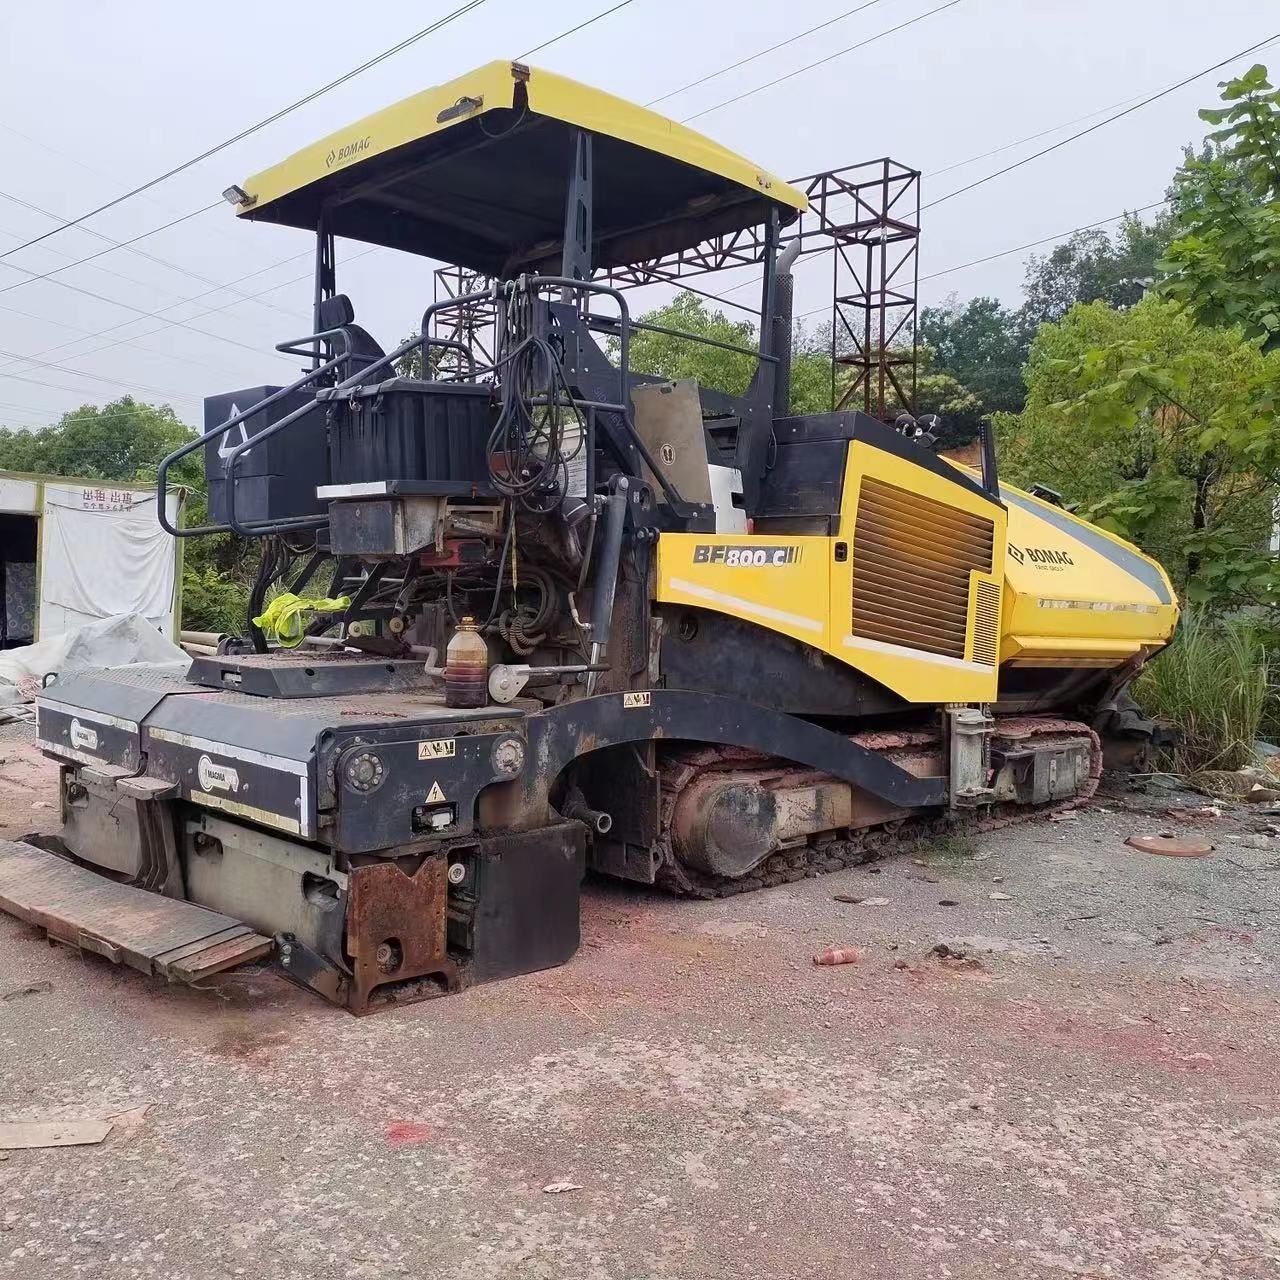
<point>16,1135</point>
<point>155,935</point>
<point>223,955</point>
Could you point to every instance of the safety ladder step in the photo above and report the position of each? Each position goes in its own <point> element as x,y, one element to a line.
<point>162,937</point>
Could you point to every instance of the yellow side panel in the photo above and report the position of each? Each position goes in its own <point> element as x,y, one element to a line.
<point>919,612</point>
<point>780,583</point>
<point>1077,595</point>
<point>928,554</point>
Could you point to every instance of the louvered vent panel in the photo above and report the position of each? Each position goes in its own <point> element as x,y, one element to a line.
<point>986,624</point>
<point>912,558</point>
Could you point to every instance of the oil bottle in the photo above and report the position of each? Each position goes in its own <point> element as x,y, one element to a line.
<point>466,667</point>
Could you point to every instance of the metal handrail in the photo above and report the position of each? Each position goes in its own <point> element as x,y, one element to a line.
<point>606,325</point>
<point>263,527</point>
<point>622,327</point>
<point>162,474</point>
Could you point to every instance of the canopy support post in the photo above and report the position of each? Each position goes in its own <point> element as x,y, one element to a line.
<point>326,283</point>
<point>576,263</point>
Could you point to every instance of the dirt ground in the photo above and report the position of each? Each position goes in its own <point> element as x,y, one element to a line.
<point>1087,1086</point>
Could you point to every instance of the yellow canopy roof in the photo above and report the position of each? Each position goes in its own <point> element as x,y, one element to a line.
<point>475,171</point>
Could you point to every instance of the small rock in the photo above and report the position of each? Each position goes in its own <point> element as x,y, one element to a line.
<point>875,902</point>
<point>559,1188</point>
<point>947,902</point>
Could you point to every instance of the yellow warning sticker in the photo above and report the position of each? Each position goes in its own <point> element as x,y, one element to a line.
<point>435,795</point>
<point>437,749</point>
<point>630,700</point>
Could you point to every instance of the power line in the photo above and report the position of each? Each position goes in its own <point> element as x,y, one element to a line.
<point>1035,244</point>
<point>140,253</point>
<point>95,377</point>
<point>1021,248</point>
<point>582,26</point>
<point>152,315</point>
<point>452,16</point>
<point>1042,133</point>
<point>69,417</point>
<point>88,333</point>
<point>33,276</point>
<point>773,48</point>
<point>107,346</point>
<point>123,244</point>
<point>951,4</point>
<point>1137,106</point>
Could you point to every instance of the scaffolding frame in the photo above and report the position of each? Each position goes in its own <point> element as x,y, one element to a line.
<point>866,216</point>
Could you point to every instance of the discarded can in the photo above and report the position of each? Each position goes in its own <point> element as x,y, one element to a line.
<point>837,955</point>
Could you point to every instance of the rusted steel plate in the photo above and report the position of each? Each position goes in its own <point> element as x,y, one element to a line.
<point>160,936</point>
<point>1170,846</point>
<point>396,928</point>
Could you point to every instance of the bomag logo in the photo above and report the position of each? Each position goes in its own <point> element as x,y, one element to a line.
<point>739,557</point>
<point>349,151</point>
<point>1045,557</point>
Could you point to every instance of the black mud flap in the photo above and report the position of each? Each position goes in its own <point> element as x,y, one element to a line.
<point>520,902</point>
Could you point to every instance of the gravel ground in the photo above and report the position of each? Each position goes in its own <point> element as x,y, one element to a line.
<point>1085,1085</point>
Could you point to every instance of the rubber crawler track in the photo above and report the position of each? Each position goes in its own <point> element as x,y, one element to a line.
<point>833,851</point>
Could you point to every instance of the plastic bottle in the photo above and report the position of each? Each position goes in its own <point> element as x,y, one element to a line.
<point>466,667</point>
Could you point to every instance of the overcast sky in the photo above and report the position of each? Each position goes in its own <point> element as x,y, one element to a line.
<point>96,98</point>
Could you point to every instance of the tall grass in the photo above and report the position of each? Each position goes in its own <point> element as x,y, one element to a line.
<point>1212,685</point>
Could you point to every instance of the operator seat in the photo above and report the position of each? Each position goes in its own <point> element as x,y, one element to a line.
<point>338,313</point>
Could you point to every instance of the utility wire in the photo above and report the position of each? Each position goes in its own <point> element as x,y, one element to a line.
<point>582,26</point>
<point>1021,248</point>
<point>100,377</point>
<point>1093,128</point>
<point>149,315</point>
<point>452,16</point>
<point>1137,102</point>
<point>773,48</point>
<point>98,235</point>
<point>33,276</point>
<point>137,191</point>
<point>951,4</point>
<point>1035,244</point>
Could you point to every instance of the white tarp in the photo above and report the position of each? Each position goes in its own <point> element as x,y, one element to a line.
<point>106,642</point>
<point>103,554</point>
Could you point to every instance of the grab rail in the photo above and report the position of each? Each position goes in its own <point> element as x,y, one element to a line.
<point>162,474</point>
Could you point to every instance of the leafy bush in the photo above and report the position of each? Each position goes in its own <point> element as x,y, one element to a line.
<point>1213,686</point>
<point>211,601</point>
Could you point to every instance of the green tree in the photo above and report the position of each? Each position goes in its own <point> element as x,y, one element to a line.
<point>124,442</point>
<point>1092,266</point>
<point>983,346</point>
<point>674,358</point>
<point>1145,418</point>
<point>1225,263</point>
<point>119,441</point>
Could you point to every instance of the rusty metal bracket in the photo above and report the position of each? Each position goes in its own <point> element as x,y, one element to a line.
<point>396,931</point>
